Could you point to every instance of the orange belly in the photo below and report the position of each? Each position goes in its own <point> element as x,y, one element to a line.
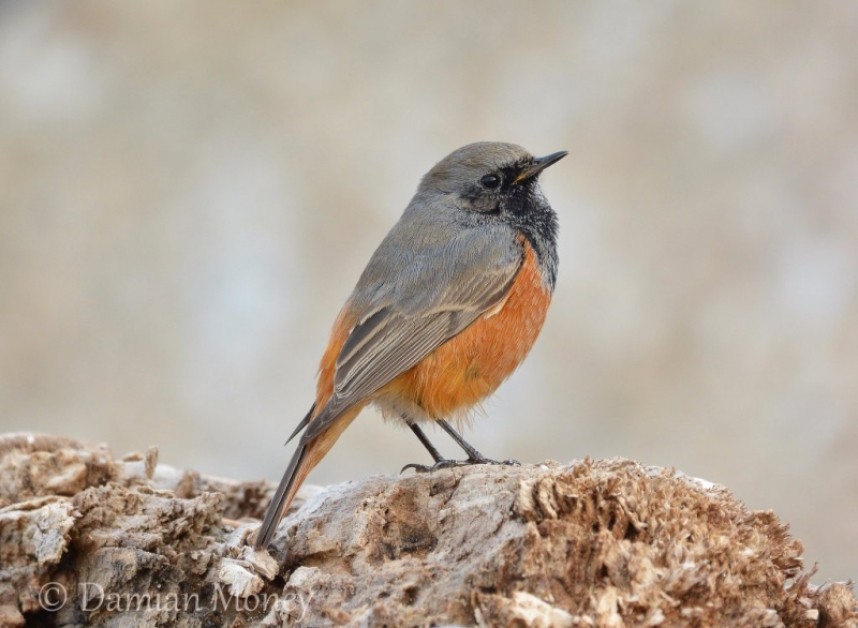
<point>469,367</point>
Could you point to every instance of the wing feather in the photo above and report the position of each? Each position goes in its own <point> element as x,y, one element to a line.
<point>402,329</point>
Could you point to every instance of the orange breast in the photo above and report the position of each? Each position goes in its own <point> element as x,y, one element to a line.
<point>469,367</point>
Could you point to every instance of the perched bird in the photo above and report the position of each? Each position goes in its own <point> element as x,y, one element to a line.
<point>449,305</point>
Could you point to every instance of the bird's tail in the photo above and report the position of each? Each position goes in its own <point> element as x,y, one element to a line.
<point>305,458</point>
<point>282,498</point>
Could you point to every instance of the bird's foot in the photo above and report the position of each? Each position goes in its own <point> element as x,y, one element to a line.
<point>449,464</point>
<point>429,468</point>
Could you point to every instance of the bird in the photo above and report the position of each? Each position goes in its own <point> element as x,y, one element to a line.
<point>448,306</point>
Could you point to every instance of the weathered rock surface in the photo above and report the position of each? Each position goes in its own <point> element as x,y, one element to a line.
<point>86,539</point>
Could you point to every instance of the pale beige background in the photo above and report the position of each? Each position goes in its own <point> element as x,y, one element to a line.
<point>190,190</point>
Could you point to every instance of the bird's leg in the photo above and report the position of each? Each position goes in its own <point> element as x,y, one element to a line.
<point>421,436</point>
<point>474,457</point>
<point>440,461</point>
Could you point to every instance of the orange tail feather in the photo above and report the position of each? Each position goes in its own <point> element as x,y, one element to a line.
<point>305,458</point>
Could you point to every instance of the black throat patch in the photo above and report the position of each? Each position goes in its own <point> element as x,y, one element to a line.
<point>528,211</point>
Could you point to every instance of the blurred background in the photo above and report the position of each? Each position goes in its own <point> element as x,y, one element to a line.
<point>189,191</point>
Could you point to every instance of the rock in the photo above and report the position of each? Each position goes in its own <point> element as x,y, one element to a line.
<point>91,540</point>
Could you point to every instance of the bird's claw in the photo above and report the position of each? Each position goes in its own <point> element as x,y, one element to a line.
<point>429,468</point>
<point>482,460</point>
<point>449,464</point>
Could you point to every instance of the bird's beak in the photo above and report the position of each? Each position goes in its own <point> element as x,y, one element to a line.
<point>539,164</point>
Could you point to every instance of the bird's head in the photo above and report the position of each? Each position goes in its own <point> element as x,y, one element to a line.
<point>487,177</point>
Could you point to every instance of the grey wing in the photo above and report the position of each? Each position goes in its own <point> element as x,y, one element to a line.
<point>407,325</point>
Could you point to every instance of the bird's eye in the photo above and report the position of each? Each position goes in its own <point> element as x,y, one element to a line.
<point>491,181</point>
